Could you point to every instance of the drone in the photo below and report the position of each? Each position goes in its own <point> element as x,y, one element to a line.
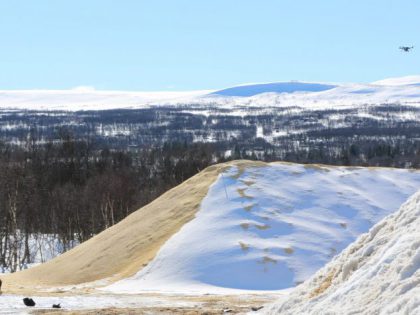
<point>406,48</point>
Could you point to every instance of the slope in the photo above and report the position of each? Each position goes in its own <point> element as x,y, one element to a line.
<point>124,248</point>
<point>278,87</point>
<point>271,226</point>
<point>377,274</point>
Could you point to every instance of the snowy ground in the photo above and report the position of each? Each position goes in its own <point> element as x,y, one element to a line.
<point>378,274</point>
<point>272,227</point>
<point>137,304</point>
<point>12,304</point>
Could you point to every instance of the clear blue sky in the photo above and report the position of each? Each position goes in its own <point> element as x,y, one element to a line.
<point>203,44</point>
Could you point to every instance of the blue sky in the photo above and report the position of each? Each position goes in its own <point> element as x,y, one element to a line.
<point>203,44</point>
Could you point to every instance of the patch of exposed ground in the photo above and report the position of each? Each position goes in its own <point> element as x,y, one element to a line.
<point>325,284</point>
<point>244,247</point>
<point>241,192</point>
<point>289,250</point>
<point>249,207</point>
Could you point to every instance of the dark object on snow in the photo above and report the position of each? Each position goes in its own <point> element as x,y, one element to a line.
<point>57,305</point>
<point>255,308</point>
<point>0,284</point>
<point>28,302</point>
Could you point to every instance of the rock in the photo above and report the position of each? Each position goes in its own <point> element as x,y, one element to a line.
<point>29,302</point>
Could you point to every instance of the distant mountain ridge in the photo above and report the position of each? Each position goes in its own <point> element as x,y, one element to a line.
<point>279,87</point>
<point>312,95</point>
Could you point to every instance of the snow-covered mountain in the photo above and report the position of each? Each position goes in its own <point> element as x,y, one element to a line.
<point>88,99</point>
<point>280,87</point>
<point>315,95</point>
<point>377,274</point>
<point>405,91</point>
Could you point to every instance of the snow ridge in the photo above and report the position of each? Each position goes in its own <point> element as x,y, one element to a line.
<point>308,95</point>
<point>377,274</point>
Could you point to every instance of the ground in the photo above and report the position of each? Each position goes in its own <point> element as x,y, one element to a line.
<point>99,303</point>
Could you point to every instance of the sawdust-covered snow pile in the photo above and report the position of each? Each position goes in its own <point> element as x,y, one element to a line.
<point>377,274</point>
<point>271,226</point>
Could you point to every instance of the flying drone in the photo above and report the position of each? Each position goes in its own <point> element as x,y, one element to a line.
<point>406,48</point>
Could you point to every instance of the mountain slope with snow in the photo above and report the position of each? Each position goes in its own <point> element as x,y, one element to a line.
<point>271,226</point>
<point>405,90</point>
<point>377,274</point>
<point>88,99</point>
<point>280,87</point>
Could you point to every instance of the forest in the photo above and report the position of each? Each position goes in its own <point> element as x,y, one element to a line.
<point>68,182</point>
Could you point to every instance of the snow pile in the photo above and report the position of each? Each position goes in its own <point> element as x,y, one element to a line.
<point>378,274</point>
<point>271,226</point>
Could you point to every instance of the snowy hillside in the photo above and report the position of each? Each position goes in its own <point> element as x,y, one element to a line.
<point>342,96</point>
<point>271,226</point>
<point>281,87</point>
<point>405,90</point>
<point>87,99</point>
<point>377,274</point>
<point>408,80</point>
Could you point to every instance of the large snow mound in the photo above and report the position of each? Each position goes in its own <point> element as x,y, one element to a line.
<point>271,226</point>
<point>377,274</point>
<point>280,87</point>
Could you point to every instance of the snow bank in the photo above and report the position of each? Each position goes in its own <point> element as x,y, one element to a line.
<point>271,227</point>
<point>377,274</point>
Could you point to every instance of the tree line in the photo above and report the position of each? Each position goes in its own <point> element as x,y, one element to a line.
<point>71,190</point>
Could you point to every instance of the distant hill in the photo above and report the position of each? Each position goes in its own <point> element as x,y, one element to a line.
<point>280,87</point>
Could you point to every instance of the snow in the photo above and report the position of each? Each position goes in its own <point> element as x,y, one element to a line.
<point>280,87</point>
<point>343,96</point>
<point>42,247</point>
<point>86,99</point>
<point>12,304</point>
<point>377,274</point>
<point>271,227</point>
<point>408,80</point>
<point>309,95</point>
